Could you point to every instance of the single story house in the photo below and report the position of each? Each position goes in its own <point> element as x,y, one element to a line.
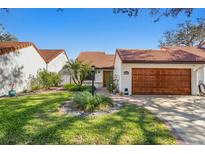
<point>104,65</point>
<point>169,70</point>
<point>20,61</point>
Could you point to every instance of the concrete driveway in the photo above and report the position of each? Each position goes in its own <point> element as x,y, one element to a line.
<point>185,114</point>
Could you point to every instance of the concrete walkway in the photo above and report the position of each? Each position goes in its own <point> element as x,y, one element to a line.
<point>185,114</point>
<point>103,91</point>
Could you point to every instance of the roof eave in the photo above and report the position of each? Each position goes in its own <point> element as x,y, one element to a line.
<point>6,50</point>
<point>110,67</point>
<point>47,62</point>
<point>164,62</point>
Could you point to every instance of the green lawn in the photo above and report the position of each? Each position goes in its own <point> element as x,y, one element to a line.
<point>36,120</point>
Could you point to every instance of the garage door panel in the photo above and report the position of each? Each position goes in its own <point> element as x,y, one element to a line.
<point>161,81</point>
<point>160,85</point>
<point>182,84</point>
<point>161,77</point>
<point>162,91</point>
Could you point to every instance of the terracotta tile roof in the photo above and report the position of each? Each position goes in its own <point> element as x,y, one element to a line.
<point>48,55</point>
<point>98,59</point>
<point>164,55</point>
<point>199,51</point>
<point>7,47</point>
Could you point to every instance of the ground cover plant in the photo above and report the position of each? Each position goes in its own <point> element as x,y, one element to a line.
<point>76,87</point>
<point>88,103</point>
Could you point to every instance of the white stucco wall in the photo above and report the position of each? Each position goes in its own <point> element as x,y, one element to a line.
<point>125,81</point>
<point>200,76</point>
<point>66,79</point>
<point>117,71</point>
<point>57,63</point>
<point>203,74</point>
<point>17,67</point>
<point>99,78</point>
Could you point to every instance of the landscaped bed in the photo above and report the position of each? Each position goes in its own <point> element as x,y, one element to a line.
<point>36,120</point>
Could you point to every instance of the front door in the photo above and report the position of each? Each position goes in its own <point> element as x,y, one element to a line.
<point>106,77</point>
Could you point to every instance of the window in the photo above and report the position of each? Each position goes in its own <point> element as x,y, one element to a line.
<point>126,73</point>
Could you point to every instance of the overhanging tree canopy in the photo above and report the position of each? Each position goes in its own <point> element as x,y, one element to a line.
<point>186,34</point>
<point>155,12</point>
<point>5,36</point>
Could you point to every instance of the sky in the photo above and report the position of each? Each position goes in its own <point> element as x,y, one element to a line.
<point>77,30</point>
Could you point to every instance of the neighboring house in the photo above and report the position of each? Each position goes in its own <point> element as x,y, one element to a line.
<point>20,61</point>
<point>55,60</point>
<point>170,70</point>
<point>103,63</point>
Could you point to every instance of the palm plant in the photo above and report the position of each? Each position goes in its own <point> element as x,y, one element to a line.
<point>78,70</point>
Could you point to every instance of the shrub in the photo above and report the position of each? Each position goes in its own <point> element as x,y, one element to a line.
<point>88,88</point>
<point>48,79</point>
<point>112,85</point>
<point>45,79</point>
<point>75,87</point>
<point>88,103</point>
<point>84,101</point>
<point>34,84</point>
<point>55,79</point>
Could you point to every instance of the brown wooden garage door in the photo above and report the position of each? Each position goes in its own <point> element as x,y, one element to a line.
<point>161,81</point>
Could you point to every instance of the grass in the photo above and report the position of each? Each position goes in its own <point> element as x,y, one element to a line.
<point>35,120</point>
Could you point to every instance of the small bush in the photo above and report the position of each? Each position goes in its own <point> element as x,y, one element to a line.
<point>112,85</point>
<point>88,103</point>
<point>88,88</point>
<point>84,101</point>
<point>55,79</point>
<point>48,79</point>
<point>75,87</point>
<point>34,84</point>
<point>45,79</point>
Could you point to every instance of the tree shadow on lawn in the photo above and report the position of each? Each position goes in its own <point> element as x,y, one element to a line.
<point>131,125</point>
<point>135,125</point>
<point>16,113</point>
<point>40,123</point>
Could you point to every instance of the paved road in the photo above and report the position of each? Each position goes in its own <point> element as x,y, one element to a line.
<point>185,114</point>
